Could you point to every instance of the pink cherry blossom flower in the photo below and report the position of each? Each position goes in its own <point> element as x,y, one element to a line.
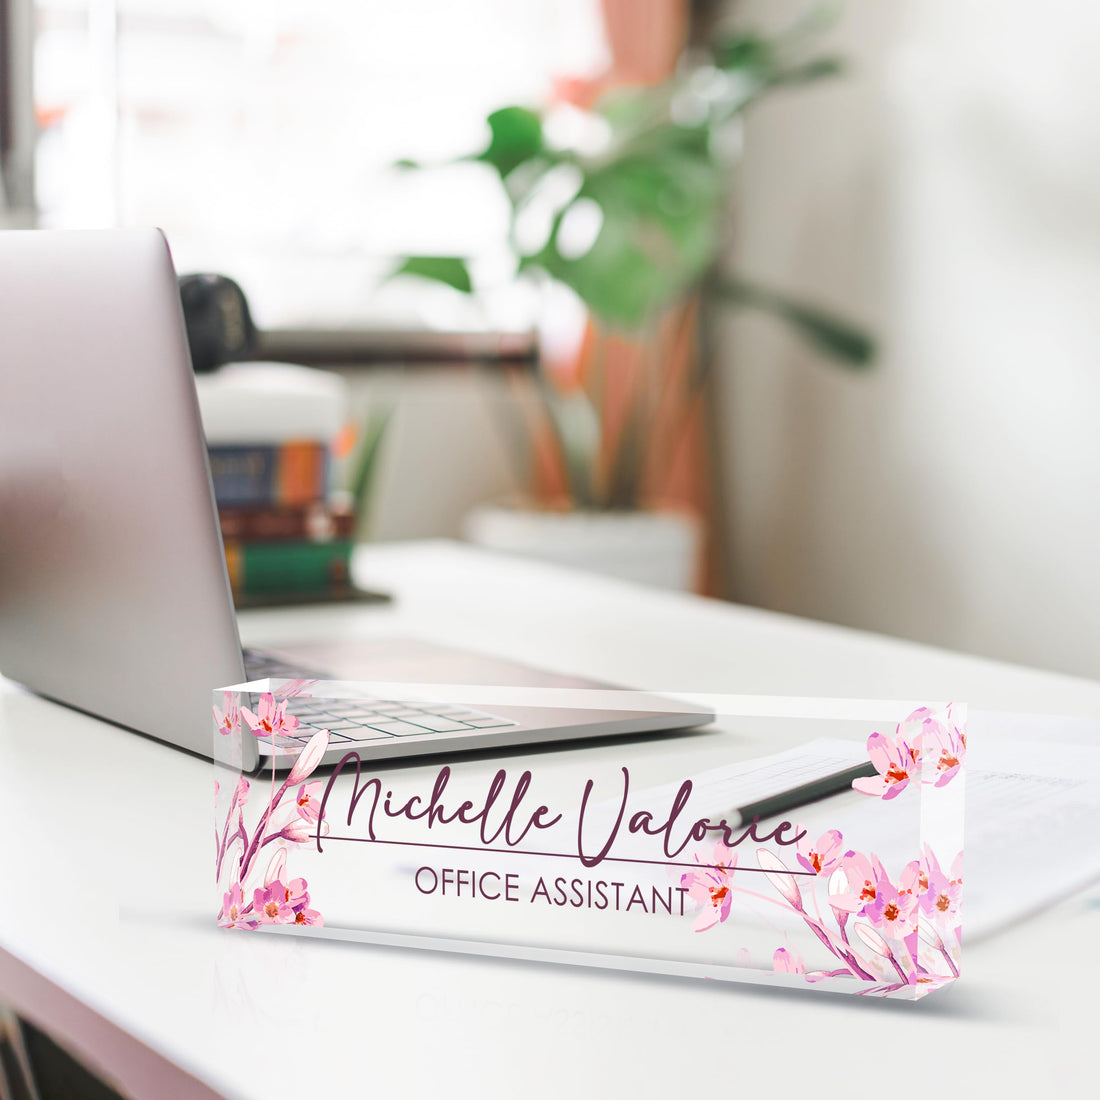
<point>229,719</point>
<point>896,760</point>
<point>823,856</point>
<point>271,904</point>
<point>710,886</point>
<point>297,894</point>
<point>911,730</point>
<point>272,719</point>
<point>894,910</point>
<point>940,894</point>
<point>231,915</point>
<point>787,962</point>
<point>288,903</point>
<point>308,800</point>
<point>945,748</point>
<point>852,887</point>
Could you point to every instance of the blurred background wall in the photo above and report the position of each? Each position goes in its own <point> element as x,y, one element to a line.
<point>944,191</point>
<point>941,192</point>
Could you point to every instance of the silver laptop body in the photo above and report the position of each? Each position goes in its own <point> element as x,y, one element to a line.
<point>114,596</point>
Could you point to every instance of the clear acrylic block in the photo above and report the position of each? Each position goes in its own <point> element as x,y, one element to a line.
<point>662,853</point>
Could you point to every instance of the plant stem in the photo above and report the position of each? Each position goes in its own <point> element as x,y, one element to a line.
<point>949,960</point>
<point>257,836</point>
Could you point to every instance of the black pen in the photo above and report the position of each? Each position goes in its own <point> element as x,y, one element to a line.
<point>816,789</point>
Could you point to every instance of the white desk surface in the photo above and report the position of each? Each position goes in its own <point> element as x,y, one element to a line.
<point>107,933</point>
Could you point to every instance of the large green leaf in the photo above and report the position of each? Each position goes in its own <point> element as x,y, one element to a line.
<point>451,270</point>
<point>766,64</point>
<point>836,338</point>
<point>516,137</point>
<point>661,215</point>
<point>615,278</point>
<point>821,68</point>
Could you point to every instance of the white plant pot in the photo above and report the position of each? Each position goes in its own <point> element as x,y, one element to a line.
<point>661,549</point>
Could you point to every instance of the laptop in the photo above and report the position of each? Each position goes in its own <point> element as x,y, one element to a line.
<point>114,594</point>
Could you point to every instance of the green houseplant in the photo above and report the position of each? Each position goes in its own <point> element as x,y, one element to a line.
<point>629,212</point>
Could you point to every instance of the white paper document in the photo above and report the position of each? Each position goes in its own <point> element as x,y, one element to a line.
<point>1032,815</point>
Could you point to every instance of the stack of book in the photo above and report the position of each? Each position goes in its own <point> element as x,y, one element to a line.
<point>269,428</point>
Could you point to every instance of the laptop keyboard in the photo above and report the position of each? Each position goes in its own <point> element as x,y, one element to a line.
<point>356,720</point>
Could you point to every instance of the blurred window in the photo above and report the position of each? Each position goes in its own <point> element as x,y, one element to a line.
<point>261,134</point>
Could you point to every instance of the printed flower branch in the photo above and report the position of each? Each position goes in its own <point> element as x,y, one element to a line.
<point>888,935</point>
<point>294,821</point>
<point>907,928</point>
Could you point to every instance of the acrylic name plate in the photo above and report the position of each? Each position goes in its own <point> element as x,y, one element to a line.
<point>813,843</point>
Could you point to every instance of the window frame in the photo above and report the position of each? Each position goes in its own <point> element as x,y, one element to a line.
<point>352,348</point>
<point>17,121</point>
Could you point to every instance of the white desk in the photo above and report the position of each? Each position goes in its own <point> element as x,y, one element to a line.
<point>107,934</point>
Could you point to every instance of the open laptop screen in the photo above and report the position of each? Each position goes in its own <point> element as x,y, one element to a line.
<point>113,590</point>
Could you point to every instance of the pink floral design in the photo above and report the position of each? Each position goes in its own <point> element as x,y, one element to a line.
<point>272,904</point>
<point>944,748</point>
<point>308,800</point>
<point>894,910</point>
<point>896,761</point>
<point>233,908</point>
<point>941,894</point>
<point>823,856</point>
<point>295,820</point>
<point>891,947</point>
<point>272,719</point>
<point>852,886</point>
<point>306,915</point>
<point>709,887</point>
<point>928,746</point>
<point>228,720</point>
